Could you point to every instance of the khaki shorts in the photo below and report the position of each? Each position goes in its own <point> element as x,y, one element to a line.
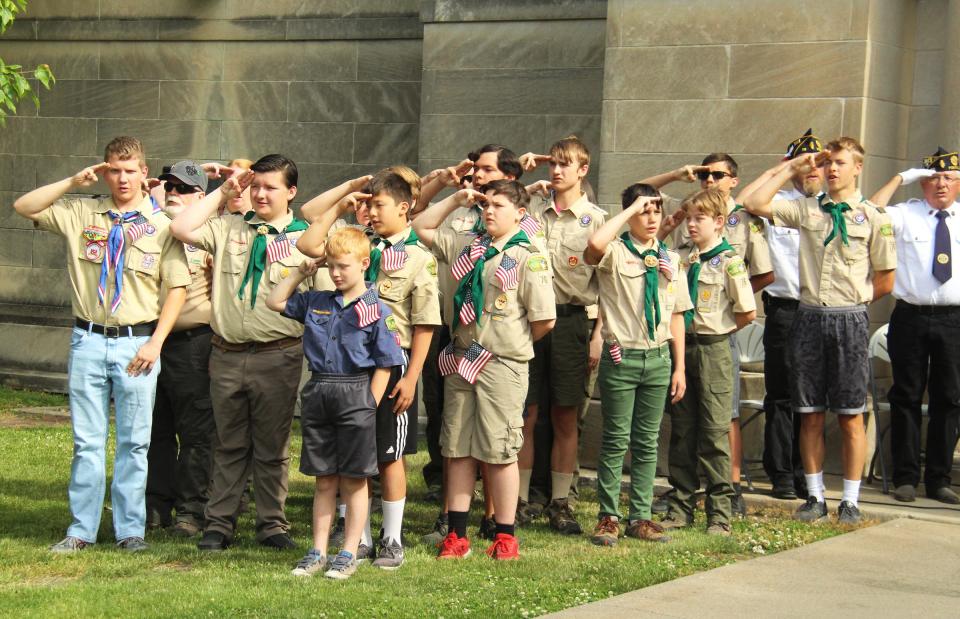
<point>485,420</point>
<point>559,366</point>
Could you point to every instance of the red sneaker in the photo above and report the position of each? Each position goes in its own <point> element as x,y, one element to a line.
<point>453,547</point>
<point>505,547</point>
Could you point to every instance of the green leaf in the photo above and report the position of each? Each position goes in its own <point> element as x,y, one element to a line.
<point>21,84</point>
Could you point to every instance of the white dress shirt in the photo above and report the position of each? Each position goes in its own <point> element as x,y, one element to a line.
<point>914,223</point>
<point>784,246</point>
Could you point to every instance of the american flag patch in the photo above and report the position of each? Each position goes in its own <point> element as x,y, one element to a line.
<point>473,361</point>
<point>394,257</point>
<point>507,273</point>
<point>138,228</point>
<point>468,256</point>
<point>663,260</point>
<point>616,353</point>
<point>529,225</point>
<point>279,248</point>
<point>467,312</point>
<point>367,308</point>
<point>447,361</point>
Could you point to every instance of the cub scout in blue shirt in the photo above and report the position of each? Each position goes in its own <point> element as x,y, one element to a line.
<point>345,337</point>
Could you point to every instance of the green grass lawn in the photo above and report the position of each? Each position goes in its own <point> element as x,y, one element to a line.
<point>173,579</point>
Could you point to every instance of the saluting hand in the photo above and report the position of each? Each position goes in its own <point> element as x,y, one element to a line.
<point>309,267</point>
<point>469,196</point>
<point>353,201</point>
<point>234,186</point>
<point>144,360</point>
<point>216,170</point>
<point>530,161</point>
<point>88,176</point>
<point>542,188</point>
<point>688,173</point>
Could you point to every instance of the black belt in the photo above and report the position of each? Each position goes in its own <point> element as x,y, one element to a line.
<point>140,330</point>
<point>928,310</point>
<point>773,301</point>
<point>569,309</point>
<point>189,334</point>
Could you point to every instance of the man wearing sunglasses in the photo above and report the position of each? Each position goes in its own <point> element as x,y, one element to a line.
<point>177,479</point>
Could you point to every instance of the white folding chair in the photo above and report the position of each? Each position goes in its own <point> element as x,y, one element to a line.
<point>877,350</point>
<point>750,345</point>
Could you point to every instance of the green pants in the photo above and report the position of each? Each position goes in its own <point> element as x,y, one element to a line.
<point>633,395</point>
<point>700,429</point>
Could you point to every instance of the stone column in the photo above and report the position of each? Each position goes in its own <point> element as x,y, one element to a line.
<point>950,95</point>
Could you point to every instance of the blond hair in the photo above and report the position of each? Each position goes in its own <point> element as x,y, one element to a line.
<point>243,164</point>
<point>710,202</point>
<point>350,241</point>
<point>569,148</point>
<point>848,144</point>
<point>125,148</point>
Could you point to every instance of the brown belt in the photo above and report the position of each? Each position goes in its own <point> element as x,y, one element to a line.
<point>254,347</point>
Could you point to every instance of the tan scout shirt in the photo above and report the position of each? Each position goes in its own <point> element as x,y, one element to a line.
<point>566,233</point>
<point>723,289</point>
<point>460,221</point>
<point>229,239</point>
<point>155,258</point>
<point>743,232</point>
<point>196,309</point>
<point>411,291</point>
<point>622,286</point>
<point>839,275</point>
<point>504,327</point>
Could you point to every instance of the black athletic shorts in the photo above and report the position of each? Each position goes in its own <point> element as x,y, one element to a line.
<point>338,422</point>
<point>396,434</point>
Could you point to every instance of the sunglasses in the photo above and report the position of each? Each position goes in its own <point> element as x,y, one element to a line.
<point>181,188</point>
<point>466,178</point>
<point>718,175</point>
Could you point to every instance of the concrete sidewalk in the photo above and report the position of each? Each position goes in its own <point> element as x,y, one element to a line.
<point>901,568</point>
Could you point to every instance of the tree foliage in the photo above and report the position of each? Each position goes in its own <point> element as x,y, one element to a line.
<point>15,85</point>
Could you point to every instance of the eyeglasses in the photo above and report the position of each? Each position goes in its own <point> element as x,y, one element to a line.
<point>466,179</point>
<point>181,188</point>
<point>718,175</point>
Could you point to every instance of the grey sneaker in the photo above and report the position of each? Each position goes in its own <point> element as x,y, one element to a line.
<point>848,513</point>
<point>811,511</point>
<point>906,493</point>
<point>389,555</point>
<point>342,567</point>
<point>365,553</point>
<point>132,544</point>
<point>312,563</point>
<point>336,534</point>
<point>440,530</point>
<point>69,544</point>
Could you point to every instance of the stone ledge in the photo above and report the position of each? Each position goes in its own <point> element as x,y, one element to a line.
<point>434,11</point>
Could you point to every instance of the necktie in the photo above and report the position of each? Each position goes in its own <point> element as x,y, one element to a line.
<point>693,276</point>
<point>836,211</point>
<point>258,253</point>
<point>942,262</point>
<point>471,285</point>
<point>116,247</point>
<point>651,300</point>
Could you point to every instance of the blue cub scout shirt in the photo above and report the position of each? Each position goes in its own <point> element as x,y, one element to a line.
<point>333,340</point>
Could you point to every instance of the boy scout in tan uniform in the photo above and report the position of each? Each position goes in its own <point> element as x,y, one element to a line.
<point>719,286</point>
<point>257,355</point>
<point>119,254</point>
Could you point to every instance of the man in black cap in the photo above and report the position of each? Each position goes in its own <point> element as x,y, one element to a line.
<point>925,326</point>
<point>179,459</point>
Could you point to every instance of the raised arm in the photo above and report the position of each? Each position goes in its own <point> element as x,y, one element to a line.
<point>329,198</point>
<point>428,221</point>
<point>687,174</point>
<point>313,242</point>
<point>277,299</point>
<point>186,225</point>
<point>32,204</point>
<point>605,234</point>
<point>758,201</point>
<point>747,191</point>
<point>883,195</point>
<point>437,181</point>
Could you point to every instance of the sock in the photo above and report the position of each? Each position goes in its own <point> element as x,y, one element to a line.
<point>366,538</point>
<point>505,528</point>
<point>822,488</point>
<point>560,485</point>
<point>393,519</point>
<point>814,488</point>
<point>851,490</point>
<point>342,510</point>
<point>525,475</point>
<point>458,522</point>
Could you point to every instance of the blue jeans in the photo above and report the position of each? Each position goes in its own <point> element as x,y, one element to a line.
<point>96,368</point>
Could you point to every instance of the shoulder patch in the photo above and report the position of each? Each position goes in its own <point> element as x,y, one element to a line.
<point>432,266</point>
<point>736,266</point>
<point>391,323</point>
<point>886,229</point>
<point>537,263</point>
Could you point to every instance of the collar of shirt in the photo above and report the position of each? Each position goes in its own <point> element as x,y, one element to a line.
<point>696,252</point>
<point>950,210</point>
<point>399,237</point>
<point>852,201</point>
<point>279,223</point>
<point>338,297</point>
<point>577,209</point>
<point>107,204</point>
<point>641,246</point>
<point>503,239</point>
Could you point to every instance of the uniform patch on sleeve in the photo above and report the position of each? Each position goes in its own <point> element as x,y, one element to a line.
<point>432,267</point>
<point>886,229</point>
<point>537,263</point>
<point>736,267</point>
<point>391,323</point>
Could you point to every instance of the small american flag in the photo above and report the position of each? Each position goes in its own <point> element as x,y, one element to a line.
<point>468,256</point>
<point>367,308</point>
<point>507,273</point>
<point>447,361</point>
<point>473,361</point>
<point>616,353</point>
<point>138,228</point>
<point>279,248</point>
<point>467,312</point>
<point>664,262</point>
<point>529,225</point>
<point>394,257</point>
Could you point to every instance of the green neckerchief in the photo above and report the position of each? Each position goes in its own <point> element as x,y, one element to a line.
<point>376,254</point>
<point>258,252</point>
<point>693,276</point>
<point>736,207</point>
<point>478,226</point>
<point>651,300</point>
<point>473,281</point>
<point>836,210</point>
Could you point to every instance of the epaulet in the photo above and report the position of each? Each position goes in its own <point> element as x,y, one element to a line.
<point>529,247</point>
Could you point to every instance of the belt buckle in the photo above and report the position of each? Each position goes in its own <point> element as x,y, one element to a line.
<point>111,332</point>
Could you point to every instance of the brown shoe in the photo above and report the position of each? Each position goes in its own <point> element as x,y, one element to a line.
<point>607,532</point>
<point>185,528</point>
<point>719,528</point>
<point>562,518</point>
<point>648,531</point>
<point>676,521</point>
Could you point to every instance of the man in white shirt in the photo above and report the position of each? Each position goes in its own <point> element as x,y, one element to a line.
<point>925,326</point>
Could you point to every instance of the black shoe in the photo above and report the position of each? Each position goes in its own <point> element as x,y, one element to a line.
<point>562,519</point>
<point>848,513</point>
<point>738,506</point>
<point>906,493</point>
<point>944,495</point>
<point>786,493</point>
<point>440,530</point>
<point>213,541</point>
<point>661,504</point>
<point>811,511</point>
<point>488,528</point>
<point>280,541</point>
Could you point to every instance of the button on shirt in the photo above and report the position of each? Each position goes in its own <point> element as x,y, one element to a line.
<point>333,340</point>
<point>784,244</point>
<point>914,223</point>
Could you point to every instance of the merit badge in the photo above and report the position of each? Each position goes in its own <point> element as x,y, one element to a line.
<point>501,301</point>
<point>150,230</point>
<point>943,258</point>
<point>715,261</point>
<point>859,218</point>
<point>585,221</point>
<point>572,261</point>
<point>94,251</point>
<point>733,220</point>
<point>705,295</point>
<point>386,286</point>
<point>261,230</point>
<point>95,233</point>
<point>650,262</point>
<point>148,261</point>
